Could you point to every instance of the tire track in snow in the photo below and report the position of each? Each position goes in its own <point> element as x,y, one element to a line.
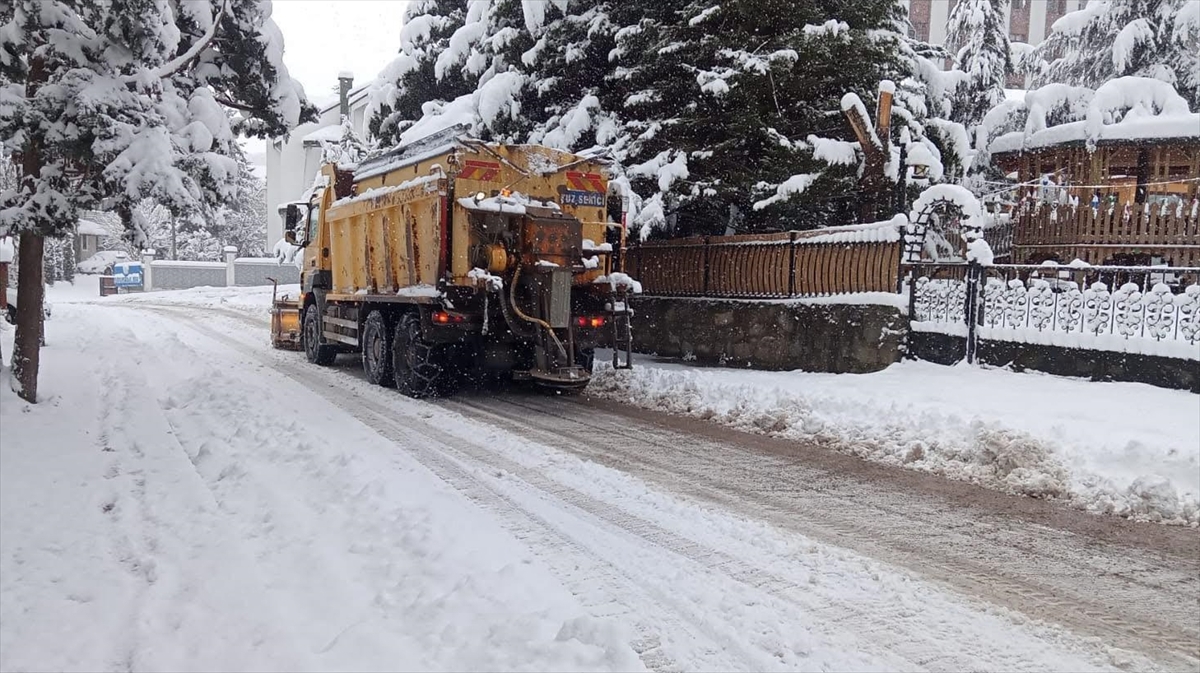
<point>922,654</point>
<point>717,473</point>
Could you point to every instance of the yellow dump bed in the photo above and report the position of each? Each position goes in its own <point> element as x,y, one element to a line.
<point>405,219</point>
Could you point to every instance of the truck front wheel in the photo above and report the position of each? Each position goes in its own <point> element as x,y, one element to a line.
<point>416,364</point>
<point>377,350</point>
<point>314,350</point>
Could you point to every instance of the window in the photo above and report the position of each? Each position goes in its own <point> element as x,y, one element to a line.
<point>314,215</point>
<point>83,243</point>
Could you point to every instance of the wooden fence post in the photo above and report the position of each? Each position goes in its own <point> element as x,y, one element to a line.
<point>792,264</point>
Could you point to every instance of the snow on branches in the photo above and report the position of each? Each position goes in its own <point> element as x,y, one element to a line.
<point>149,108</point>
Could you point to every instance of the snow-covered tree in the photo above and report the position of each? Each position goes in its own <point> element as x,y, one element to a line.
<point>412,85</point>
<point>736,108</point>
<point>1106,39</point>
<point>59,260</point>
<point>976,34</point>
<point>706,107</point>
<point>112,103</point>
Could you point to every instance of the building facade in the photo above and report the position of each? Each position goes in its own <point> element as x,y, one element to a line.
<point>292,161</point>
<point>1028,21</point>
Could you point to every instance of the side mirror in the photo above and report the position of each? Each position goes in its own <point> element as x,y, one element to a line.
<point>291,218</point>
<point>290,237</point>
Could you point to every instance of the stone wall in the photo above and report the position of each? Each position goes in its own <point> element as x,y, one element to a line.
<point>771,334</point>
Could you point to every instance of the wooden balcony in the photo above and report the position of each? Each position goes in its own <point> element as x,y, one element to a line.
<point>1118,234</point>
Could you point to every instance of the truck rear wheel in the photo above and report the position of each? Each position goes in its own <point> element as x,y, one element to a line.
<point>314,350</point>
<point>377,350</point>
<point>417,364</point>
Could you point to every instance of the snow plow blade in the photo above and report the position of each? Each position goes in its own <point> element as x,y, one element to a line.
<point>285,324</point>
<point>285,321</point>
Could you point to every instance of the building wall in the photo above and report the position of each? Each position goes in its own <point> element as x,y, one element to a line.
<point>292,164</point>
<point>1029,20</point>
<point>86,245</point>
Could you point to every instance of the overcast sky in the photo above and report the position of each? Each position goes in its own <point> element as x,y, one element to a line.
<point>324,37</point>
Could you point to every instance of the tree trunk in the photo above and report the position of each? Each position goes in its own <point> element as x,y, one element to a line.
<point>27,344</point>
<point>28,339</point>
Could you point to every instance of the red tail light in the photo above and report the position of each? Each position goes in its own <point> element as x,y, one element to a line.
<point>444,318</point>
<point>590,321</point>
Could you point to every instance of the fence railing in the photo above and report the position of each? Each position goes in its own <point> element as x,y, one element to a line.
<point>860,258</point>
<point>1095,234</point>
<point>1139,307</point>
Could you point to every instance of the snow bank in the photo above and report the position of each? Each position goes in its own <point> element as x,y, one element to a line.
<point>1126,449</point>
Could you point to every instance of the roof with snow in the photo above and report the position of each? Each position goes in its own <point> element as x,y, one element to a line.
<point>331,133</point>
<point>1178,128</point>
<point>90,228</point>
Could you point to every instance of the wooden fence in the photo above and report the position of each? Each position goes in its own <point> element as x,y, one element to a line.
<point>1095,235</point>
<point>791,264</point>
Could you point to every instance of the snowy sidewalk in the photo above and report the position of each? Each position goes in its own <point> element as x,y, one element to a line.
<point>1123,448</point>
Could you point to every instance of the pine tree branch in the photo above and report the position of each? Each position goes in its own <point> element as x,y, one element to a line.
<point>236,106</point>
<point>176,64</point>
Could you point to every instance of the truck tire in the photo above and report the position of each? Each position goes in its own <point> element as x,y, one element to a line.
<point>314,350</point>
<point>416,364</point>
<point>377,350</point>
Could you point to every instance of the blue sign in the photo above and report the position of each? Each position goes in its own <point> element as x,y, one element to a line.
<point>128,274</point>
<point>577,197</point>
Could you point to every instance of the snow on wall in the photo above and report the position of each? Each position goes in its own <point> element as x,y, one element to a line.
<point>887,231</point>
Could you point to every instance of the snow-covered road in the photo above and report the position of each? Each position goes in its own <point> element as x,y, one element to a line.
<point>191,499</point>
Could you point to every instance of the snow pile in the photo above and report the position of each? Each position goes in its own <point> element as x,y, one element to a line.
<point>1125,449</point>
<point>7,250</point>
<point>980,252</point>
<point>485,278</point>
<point>620,280</point>
<point>515,204</point>
<point>589,245</point>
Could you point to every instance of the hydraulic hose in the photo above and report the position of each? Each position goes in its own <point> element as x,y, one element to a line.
<point>537,321</point>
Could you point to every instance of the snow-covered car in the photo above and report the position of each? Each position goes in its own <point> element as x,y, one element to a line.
<point>102,261</point>
<point>10,314</point>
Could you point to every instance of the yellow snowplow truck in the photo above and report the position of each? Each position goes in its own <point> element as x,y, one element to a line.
<point>450,258</point>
